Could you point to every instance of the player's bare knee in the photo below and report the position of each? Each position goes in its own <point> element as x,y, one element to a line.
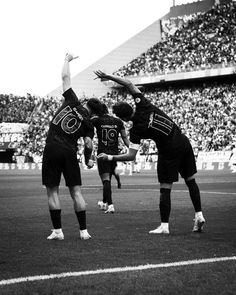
<point>79,203</point>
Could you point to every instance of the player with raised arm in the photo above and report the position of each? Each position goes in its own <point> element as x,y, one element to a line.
<point>108,128</point>
<point>70,122</point>
<point>175,153</point>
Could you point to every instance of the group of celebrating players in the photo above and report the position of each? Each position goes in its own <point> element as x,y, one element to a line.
<point>74,120</point>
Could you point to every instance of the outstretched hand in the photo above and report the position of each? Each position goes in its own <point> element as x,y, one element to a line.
<point>69,57</point>
<point>100,75</point>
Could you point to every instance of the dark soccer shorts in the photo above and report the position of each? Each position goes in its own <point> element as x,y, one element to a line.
<point>106,166</point>
<point>179,159</point>
<point>57,161</point>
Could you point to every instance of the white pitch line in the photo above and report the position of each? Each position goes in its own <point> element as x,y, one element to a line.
<point>173,190</point>
<point>208,192</point>
<point>113,270</point>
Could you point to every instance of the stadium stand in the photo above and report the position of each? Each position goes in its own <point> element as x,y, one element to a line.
<point>205,113</point>
<point>199,41</point>
<point>17,109</point>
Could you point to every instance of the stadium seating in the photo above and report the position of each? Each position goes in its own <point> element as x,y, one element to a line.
<point>206,113</point>
<point>204,41</point>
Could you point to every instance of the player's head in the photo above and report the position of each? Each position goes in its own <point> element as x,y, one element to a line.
<point>123,110</point>
<point>96,107</point>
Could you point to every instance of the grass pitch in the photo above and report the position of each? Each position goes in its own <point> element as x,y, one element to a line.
<point>118,240</point>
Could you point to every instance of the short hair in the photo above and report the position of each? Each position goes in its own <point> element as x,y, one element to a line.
<point>105,109</point>
<point>122,110</point>
<point>97,107</point>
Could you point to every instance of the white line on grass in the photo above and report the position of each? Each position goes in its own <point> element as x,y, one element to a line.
<point>174,190</point>
<point>208,192</point>
<point>113,270</point>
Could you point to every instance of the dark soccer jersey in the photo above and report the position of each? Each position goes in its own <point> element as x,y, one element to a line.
<point>149,122</point>
<point>70,122</point>
<point>108,130</point>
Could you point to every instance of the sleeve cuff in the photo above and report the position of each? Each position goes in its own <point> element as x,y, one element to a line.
<point>109,157</point>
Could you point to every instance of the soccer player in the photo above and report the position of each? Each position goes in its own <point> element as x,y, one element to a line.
<point>108,130</point>
<point>70,122</point>
<point>175,153</point>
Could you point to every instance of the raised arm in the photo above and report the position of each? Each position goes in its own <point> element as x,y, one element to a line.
<point>122,81</point>
<point>65,75</point>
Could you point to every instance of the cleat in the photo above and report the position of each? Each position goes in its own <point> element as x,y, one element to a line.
<point>160,230</point>
<point>84,235</point>
<point>56,235</point>
<point>110,209</point>
<point>198,224</point>
<point>102,206</point>
<point>119,185</point>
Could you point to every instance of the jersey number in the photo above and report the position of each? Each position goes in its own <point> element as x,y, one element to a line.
<point>109,136</point>
<point>70,123</point>
<point>160,123</point>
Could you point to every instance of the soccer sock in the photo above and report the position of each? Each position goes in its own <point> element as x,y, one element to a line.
<point>56,218</point>
<point>194,194</point>
<point>81,216</point>
<point>165,204</point>
<point>107,192</point>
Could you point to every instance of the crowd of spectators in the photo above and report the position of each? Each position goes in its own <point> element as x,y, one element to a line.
<point>206,113</point>
<point>171,25</point>
<point>204,41</point>
<point>32,145</point>
<point>17,109</point>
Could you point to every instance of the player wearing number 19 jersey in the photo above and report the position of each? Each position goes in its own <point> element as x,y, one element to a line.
<point>108,128</point>
<point>69,123</point>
